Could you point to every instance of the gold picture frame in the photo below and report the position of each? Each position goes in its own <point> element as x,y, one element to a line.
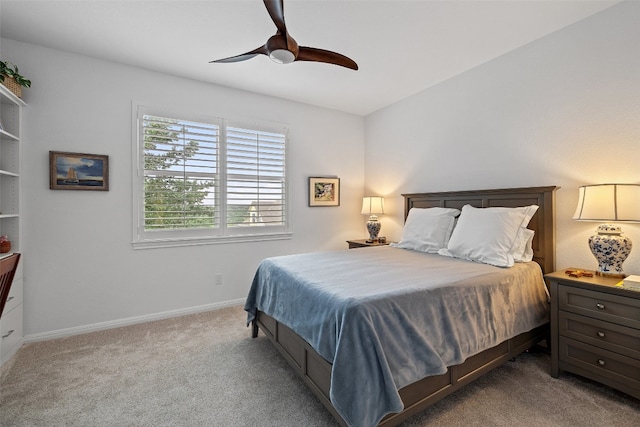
<point>78,171</point>
<point>324,191</point>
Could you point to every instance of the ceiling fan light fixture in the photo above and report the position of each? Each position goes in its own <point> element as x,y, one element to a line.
<point>282,56</point>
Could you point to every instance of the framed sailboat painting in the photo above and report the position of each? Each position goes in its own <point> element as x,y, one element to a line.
<point>78,171</point>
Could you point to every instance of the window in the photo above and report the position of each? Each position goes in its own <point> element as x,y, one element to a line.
<point>204,180</point>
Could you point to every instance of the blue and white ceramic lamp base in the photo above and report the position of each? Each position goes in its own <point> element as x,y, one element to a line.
<point>611,249</point>
<point>373,227</point>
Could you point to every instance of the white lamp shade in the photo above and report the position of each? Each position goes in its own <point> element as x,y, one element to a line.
<point>609,202</point>
<point>372,205</point>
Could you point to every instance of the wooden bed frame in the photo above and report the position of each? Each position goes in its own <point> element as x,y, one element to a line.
<point>316,371</point>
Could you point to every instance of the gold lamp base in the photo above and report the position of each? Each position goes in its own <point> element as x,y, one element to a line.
<point>612,275</point>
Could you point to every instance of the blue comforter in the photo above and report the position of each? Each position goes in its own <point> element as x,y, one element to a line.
<point>387,317</point>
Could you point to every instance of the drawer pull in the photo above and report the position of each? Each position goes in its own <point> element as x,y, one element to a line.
<point>600,306</point>
<point>8,333</point>
<point>601,362</point>
<point>600,334</point>
<point>10,298</point>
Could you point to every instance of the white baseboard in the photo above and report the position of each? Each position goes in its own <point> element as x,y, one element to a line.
<point>67,332</point>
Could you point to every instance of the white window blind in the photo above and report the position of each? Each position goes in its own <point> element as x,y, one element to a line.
<point>201,180</point>
<point>255,178</point>
<point>180,174</point>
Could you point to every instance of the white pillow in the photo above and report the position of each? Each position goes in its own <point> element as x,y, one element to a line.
<point>522,247</point>
<point>427,229</point>
<point>489,235</point>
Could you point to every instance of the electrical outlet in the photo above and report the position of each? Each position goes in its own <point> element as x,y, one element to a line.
<point>219,279</point>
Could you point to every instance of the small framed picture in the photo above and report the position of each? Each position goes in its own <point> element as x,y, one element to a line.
<point>324,191</point>
<point>78,171</point>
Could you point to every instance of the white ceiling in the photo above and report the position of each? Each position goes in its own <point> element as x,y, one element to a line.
<point>401,47</point>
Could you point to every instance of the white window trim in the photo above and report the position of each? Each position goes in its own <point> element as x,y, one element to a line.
<point>141,240</point>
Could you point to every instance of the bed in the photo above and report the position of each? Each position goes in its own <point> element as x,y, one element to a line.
<point>393,341</point>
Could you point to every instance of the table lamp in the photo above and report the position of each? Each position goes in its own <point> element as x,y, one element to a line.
<point>609,203</point>
<point>373,206</point>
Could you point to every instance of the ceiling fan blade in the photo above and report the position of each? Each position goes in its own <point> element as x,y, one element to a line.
<point>262,50</point>
<point>321,55</point>
<point>276,11</point>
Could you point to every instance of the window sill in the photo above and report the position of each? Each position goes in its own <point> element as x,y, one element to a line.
<point>240,238</point>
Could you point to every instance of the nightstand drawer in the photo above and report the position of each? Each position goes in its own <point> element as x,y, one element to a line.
<point>599,305</point>
<point>607,335</point>
<point>594,361</point>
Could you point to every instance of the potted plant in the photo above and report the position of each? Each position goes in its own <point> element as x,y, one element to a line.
<point>11,78</point>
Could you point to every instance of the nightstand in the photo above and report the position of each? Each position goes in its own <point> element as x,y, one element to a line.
<point>362,243</point>
<point>595,330</point>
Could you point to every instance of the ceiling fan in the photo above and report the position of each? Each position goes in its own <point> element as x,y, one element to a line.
<point>283,49</point>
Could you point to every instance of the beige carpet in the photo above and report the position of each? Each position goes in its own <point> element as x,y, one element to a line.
<point>205,370</point>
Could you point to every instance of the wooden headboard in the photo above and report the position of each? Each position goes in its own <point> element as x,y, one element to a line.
<point>543,222</point>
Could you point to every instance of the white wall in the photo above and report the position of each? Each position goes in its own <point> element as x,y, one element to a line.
<point>560,111</point>
<point>563,110</point>
<point>80,268</point>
